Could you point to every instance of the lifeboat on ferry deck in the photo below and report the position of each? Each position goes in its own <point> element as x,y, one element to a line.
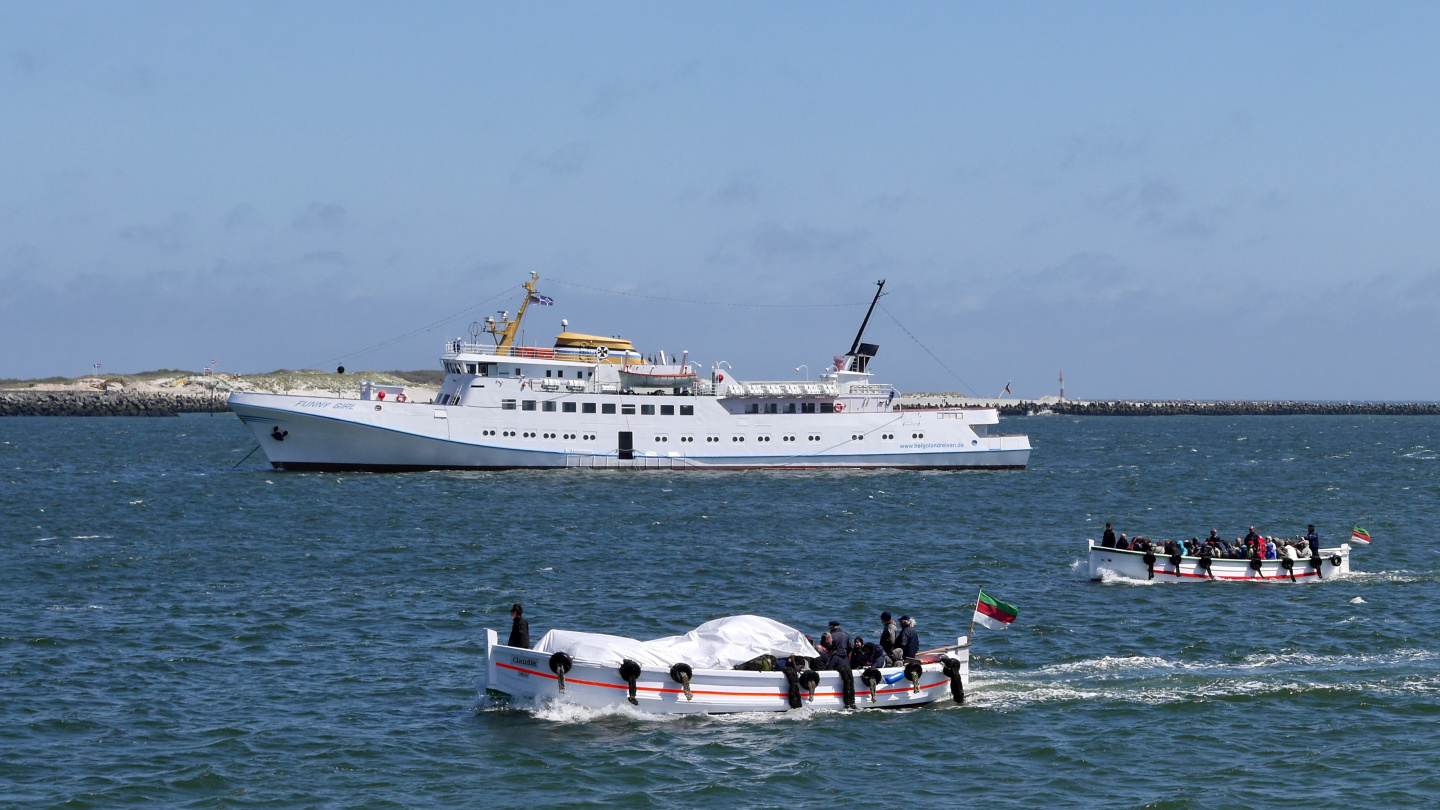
<point>649,375</point>
<point>582,347</point>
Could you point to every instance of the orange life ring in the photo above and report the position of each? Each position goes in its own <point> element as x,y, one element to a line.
<point>380,395</point>
<point>839,407</point>
<point>399,397</point>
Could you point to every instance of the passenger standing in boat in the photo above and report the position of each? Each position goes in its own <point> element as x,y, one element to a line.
<point>1252,537</point>
<point>519,628</point>
<point>1313,540</point>
<point>910,640</point>
<point>1108,539</point>
<point>1123,544</point>
<point>889,634</point>
<point>841,639</point>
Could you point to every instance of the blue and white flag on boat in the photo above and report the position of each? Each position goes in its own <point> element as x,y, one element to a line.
<point>542,300</point>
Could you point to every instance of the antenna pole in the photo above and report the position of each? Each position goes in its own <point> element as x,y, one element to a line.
<point>880,286</point>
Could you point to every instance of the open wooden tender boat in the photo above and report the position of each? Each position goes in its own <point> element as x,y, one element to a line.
<point>1159,567</point>
<point>695,673</point>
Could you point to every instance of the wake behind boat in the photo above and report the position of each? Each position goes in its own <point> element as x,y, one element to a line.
<point>593,401</point>
<point>698,672</point>
<point>1160,567</point>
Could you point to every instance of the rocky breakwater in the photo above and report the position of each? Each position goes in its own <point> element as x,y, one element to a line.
<point>1232,408</point>
<point>107,403</point>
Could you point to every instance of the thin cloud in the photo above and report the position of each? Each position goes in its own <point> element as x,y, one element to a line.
<point>172,236</point>
<point>321,217</point>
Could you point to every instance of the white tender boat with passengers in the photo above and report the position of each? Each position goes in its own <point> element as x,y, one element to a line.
<point>593,401</point>
<point>1159,567</point>
<point>696,672</point>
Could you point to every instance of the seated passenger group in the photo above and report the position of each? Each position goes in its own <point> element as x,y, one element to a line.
<point>1251,546</point>
<point>836,647</point>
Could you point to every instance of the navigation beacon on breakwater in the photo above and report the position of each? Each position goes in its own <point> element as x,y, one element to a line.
<point>592,401</point>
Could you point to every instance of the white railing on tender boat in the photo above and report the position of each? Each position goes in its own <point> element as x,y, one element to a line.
<point>530,352</point>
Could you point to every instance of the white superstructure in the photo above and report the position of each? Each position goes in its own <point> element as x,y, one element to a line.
<point>592,401</point>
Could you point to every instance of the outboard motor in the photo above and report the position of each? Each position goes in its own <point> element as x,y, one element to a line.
<point>560,663</point>
<point>681,674</point>
<point>629,673</point>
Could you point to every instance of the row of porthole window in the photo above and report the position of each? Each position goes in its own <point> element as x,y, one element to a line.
<point>507,433</point>
<point>548,406</point>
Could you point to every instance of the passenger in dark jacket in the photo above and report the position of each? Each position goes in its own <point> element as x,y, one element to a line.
<point>909,641</point>
<point>519,628</point>
<point>889,631</point>
<point>858,658</point>
<point>1108,539</point>
<point>1314,540</point>
<point>840,639</point>
<point>1123,544</point>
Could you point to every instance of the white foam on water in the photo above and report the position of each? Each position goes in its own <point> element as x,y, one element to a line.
<point>1123,663</point>
<point>1108,577</point>
<point>1357,601</point>
<point>565,713</point>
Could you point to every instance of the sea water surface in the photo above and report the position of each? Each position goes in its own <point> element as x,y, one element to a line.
<point>174,631</point>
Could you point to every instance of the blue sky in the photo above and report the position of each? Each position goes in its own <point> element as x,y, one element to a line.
<point>1164,200</point>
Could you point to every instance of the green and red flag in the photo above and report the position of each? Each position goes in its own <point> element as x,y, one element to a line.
<point>994,614</point>
<point>1359,535</point>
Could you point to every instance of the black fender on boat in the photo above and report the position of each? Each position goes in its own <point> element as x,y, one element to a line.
<point>1335,560</point>
<point>872,677</point>
<point>809,679</point>
<point>560,663</point>
<point>847,683</point>
<point>913,671</point>
<point>681,673</point>
<point>1175,561</point>
<point>1257,565</point>
<point>1150,564</point>
<point>951,668</point>
<point>1289,566</point>
<point>630,672</point>
<point>793,678</point>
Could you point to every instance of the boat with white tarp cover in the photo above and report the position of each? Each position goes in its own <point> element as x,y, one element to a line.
<point>1161,567</point>
<point>697,672</point>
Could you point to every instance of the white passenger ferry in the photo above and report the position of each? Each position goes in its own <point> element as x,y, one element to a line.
<point>592,401</point>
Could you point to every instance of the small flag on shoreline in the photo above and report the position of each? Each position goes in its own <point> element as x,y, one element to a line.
<point>1359,535</point>
<point>992,613</point>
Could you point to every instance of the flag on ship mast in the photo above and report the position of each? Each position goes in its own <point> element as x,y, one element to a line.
<point>1359,535</point>
<point>992,613</point>
<point>542,300</point>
